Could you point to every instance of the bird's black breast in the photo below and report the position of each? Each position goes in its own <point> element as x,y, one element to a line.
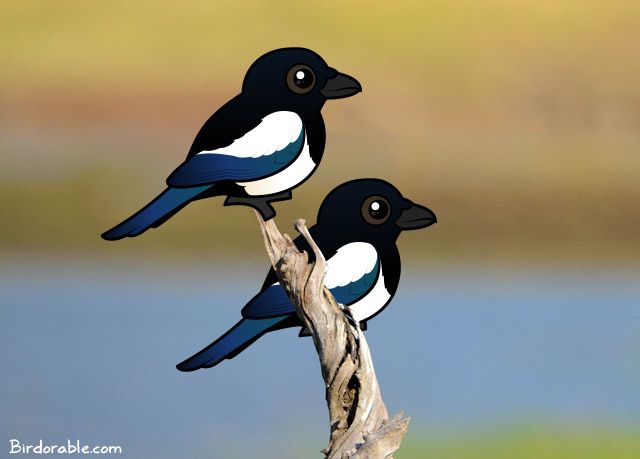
<point>390,261</point>
<point>316,134</point>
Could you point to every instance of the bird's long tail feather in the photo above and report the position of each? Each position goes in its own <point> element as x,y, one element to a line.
<point>155,213</point>
<point>241,336</point>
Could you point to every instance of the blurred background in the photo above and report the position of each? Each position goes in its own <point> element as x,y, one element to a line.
<point>517,122</point>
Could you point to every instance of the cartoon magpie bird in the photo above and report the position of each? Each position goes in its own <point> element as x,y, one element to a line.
<point>258,146</point>
<point>356,230</point>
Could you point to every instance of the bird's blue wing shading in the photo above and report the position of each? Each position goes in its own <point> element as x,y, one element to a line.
<point>264,151</point>
<point>168,202</point>
<point>271,302</point>
<point>354,291</point>
<point>243,334</point>
<point>274,301</point>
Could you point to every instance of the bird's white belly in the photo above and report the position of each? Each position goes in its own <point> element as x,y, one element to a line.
<point>375,300</point>
<point>288,178</point>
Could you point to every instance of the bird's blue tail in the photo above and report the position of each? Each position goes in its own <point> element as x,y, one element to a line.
<point>243,334</point>
<point>155,213</point>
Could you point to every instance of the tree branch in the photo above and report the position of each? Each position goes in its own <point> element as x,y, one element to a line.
<point>358,417</point>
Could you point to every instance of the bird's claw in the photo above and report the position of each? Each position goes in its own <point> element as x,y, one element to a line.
<point>261,204</point>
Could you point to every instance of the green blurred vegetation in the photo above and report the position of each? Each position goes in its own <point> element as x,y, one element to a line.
<point>527,444</point>
<point>516,442</point>
<point>517,122</point>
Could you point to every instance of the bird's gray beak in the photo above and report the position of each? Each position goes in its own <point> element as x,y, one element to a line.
<point>341,86</point>
<point>415,217</point>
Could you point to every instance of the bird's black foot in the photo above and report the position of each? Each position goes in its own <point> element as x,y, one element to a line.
<point>262,204</point>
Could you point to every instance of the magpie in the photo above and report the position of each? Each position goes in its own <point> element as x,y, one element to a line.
<point>258,146</point>
<point>357,227</point>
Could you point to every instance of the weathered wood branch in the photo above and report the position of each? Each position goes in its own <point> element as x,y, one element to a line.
<point>360,427</point>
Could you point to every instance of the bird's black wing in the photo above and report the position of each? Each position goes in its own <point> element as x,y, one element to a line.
<point>229,122</point>
<point>269,147</point>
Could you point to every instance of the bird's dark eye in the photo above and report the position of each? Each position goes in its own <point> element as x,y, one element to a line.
<point>376,210</point>
<point>301,79</point>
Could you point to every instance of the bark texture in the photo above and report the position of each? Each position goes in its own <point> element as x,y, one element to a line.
<point>360,426</point>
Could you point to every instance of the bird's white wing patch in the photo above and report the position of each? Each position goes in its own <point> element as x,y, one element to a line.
<point>286,179</point>
<point>375,300</point>
<point>275,131</point>
<point>350,263</point>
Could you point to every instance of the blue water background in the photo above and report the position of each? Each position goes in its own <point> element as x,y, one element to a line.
<point>89,348</point>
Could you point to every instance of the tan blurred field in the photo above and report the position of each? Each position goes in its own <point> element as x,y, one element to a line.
<point>517,122</point>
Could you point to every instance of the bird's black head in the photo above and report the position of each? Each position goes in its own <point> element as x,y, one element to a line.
<point>297,77</point>
<point>372,210</point>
